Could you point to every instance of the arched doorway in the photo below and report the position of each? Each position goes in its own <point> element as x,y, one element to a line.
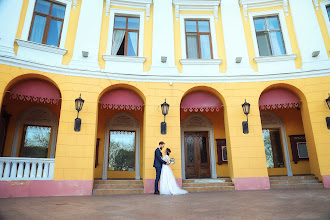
<point>29,123</point>
<point>202,136</point>
<point>120,138</point>
<point>283,132</point>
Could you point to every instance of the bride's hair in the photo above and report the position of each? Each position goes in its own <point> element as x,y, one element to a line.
<point>168,151</point>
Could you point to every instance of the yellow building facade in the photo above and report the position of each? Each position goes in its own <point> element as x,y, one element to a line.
<point>206,58</point>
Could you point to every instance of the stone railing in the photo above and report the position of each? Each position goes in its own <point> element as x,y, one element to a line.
<point>22,168</point>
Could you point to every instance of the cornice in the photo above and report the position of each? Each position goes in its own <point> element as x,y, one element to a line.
<point>144,4</point>
<point>42,47</point>
<point>197,5</point>
<point>251,4</point>
<point>149,77</point>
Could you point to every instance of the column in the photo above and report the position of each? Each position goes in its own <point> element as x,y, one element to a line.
<point>309,35</point>
<point>88,35</point>
<point>235,42</point>
<point>10,12</point>
<point>163,38</point>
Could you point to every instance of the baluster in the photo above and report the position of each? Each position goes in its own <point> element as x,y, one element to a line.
<point>51,170</point>
<point>27,170</point>
<point>33,170</point>
<point>7,171</point>
<point>13,170</point>
<point>1,168</point>
<point>20,170</point>
<point>45,173</point>
<point>39,170</point>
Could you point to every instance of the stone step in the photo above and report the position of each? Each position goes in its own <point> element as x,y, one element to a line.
<point>206,184</point>
<point>294,181</point>
<point>297,186</point>
<point>118,186</point>
<point>219,180</point>
<point>118,182</point>
<point>117,191</point>
<point>209,188</point>
<point>305,177</point>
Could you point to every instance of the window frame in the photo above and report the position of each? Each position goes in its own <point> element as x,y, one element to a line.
<point>30,15</point>
<point>131,13</point>
<point>268,31</point>
<point>222,148</point>
<point>199,39</point>
<point>48,17</point>
<point>324,6</point>
<point>126,34</point>
<point>298,150</point>
<point>285,34</point>
<point>213,42</point>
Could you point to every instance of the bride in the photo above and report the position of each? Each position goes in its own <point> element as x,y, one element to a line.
<point>168,185</point>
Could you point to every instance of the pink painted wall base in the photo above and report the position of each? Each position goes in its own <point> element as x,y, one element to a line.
<point>45,188</point>
<point>149,185</point>
<point>326,181</point>
<point>252,183</point>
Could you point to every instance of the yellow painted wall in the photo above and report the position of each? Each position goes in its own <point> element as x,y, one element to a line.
<point>323,27</point>
<point>104,115</point>
<point>217,120</point>
<point>249,40</point>
<point>75,151</point>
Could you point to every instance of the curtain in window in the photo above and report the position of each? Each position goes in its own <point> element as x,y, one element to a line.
<point>192,46</point>
<point>277,43</point>
<point>38,29</point>
<point>118,36</point>
<point>205,47</point>
<point>54,32</point>
<point>132,44</point>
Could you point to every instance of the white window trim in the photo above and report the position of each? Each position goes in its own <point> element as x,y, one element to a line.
<point>183,33</point>
<point>252,4</point>
<point>42,47</point>
<point>298,150</point>
<point>284,30</point>
<point>113,13</point>
<point>200,61</point>
<point>29,15</point>
<point>124,59</point>
<point>325,14</point>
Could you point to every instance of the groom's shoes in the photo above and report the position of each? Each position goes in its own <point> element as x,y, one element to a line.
<point>156,193</point>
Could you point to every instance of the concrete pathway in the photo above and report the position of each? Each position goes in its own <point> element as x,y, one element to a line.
<point>263,204</point>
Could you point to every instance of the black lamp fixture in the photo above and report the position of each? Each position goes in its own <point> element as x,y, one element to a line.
<point>328,118</point>
<point>79,104</point>
<point>165,106</point>
<point>246,110</point>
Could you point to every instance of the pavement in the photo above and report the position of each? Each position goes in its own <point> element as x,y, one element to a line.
<point>262,204</point>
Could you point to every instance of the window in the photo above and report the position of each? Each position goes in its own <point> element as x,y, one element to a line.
<point>328,11</point>
<point>47,23</point>
<point>122,151</point>
<point>35,141</point>
<point>269,36</point>
<point>198,38</point>
<point>273,148</point>
<point>302,150</point>
<point>125,36</point>
<point>224,153</point>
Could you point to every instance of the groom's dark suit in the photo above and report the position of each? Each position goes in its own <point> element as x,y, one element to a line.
<point>158,162</point>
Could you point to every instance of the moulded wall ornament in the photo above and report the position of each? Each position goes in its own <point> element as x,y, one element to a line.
<point>269,118</point>
<point>316,3</point>
<point>197,5</point>
<point>107,7</point>
<point>124,120</point>
<point>196,120</point>
<point>145,4</point>
<point>74,4</point>
<point>251,4</point>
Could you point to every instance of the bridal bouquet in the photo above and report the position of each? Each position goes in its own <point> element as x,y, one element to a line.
<point>172,161</point>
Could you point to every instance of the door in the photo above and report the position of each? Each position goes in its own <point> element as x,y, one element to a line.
<point>197,155</point>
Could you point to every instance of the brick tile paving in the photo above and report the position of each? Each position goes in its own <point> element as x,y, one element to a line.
<point>263,204</point>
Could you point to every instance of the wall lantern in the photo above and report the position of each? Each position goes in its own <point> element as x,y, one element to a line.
<point>79,104</point>
<point>165,106</point>
<point>328,118</point>
<point>246,110</point>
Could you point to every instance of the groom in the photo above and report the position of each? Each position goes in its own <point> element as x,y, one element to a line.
<point>158,162</point>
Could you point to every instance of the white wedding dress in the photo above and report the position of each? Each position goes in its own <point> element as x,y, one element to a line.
<point>168,185</point>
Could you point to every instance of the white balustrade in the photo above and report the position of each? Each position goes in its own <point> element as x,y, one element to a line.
<point>22,168</point>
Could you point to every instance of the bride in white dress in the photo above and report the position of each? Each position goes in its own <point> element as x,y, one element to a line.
<point>168,185</point>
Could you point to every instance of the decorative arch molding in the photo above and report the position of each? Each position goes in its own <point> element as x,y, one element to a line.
<point>271,120</point>
<point>36,115</point>
<point>198,122</point>
<point>122,121</point>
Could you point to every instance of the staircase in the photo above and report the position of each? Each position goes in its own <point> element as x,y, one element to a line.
<point>110,187</point>
<point>294,182</point>
<point>208,185</point>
